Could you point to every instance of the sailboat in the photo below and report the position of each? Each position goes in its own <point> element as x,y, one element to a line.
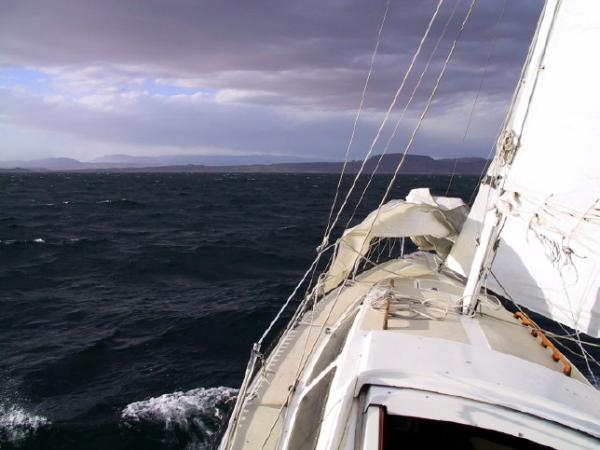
<point>438,348</point>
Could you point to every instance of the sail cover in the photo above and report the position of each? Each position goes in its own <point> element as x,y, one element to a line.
<point>548,247</point>
<point>434,221</point>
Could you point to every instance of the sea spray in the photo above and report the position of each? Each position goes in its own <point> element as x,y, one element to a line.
<point>197,416</point>
<point>17,425</point>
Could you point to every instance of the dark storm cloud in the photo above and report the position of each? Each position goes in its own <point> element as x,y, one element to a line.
<point>266,55</point>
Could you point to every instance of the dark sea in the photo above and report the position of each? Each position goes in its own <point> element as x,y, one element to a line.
<point>129,302</point>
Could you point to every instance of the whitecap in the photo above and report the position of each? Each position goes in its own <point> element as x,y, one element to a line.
<point>199,413</point>
<point>105,201</point>
<point>16,424</point>
<point>39,241</point>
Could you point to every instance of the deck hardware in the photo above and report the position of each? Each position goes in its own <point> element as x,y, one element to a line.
<point>388,300</point>
<point>536,332</point>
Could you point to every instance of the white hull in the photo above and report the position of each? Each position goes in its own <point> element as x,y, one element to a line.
<point>487,371</point>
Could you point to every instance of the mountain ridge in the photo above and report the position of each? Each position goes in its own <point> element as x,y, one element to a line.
<point>413,164</point>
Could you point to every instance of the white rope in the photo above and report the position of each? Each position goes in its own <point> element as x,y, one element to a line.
<point>331,226</point>
<point>327,231</point>
<point>384,121</point>
<point>585,355</point>
<point>406,106</point>
<point>296,379</point>
<point>424,112</point>
<point>358,112</point>
<point>486,263</point>
<point>289,299</point>
<point>484,71</point>
<point>427,308</point>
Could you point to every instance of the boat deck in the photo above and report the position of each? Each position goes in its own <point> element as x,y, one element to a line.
<point>415,279</point>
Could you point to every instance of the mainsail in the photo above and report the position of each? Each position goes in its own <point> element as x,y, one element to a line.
<point>537,214</point>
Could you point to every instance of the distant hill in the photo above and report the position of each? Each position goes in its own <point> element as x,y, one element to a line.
<point>59,165</point>
<point>201,160</point>
<point>413,164</point>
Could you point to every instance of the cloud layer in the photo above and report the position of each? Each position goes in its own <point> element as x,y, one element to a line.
<point>87,78</point>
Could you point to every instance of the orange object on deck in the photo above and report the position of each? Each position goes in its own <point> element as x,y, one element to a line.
<point>544,341</point>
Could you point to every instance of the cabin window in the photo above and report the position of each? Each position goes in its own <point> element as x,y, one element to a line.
<point>400,432</point>
<point>333,347</point>
<point>310,415</point>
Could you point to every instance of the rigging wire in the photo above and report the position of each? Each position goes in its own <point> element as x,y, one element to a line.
<point>408,103</point>
<point>585,355</point>
<point>384,121</point>
<point>331,225</point>
<point>425,110</point>
<point>440,76</point>
<point>575,321</point>
<point>498,167</point>
<point>510,108</point>
<point>484,72</point>
<point>351,140</point>
<point>358,112</point>
<point>423,113</point>
<point>324,245</point>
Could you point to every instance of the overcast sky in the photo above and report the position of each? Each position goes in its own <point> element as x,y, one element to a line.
<point>88,78</point>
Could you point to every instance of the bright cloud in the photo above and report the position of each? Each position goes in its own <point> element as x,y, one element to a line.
<point>90,78</point>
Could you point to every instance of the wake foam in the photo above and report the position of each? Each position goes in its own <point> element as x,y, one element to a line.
<point>16,424</point>
<point>197,416</point>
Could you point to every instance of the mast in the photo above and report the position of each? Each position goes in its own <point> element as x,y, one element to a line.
<point>533,234</point>
<point>507,146</point>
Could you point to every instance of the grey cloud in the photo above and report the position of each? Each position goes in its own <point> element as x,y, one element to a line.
<point>189,122</point>
<point>303,49</point>
<point>289,74</point>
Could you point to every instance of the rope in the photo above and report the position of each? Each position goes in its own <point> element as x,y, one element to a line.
<point>584,354</point>
<point>358,112</point>
<point>296,378</point>
<point>331,226</point>
<point>289,299</point>
<point>384,121</point>
<point>428,308</point>
<point>484,70</point>
<point>425,110</point>
<point>486,264</point>
<point>408,103</point>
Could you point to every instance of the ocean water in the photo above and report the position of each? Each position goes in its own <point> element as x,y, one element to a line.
<point>129,302</point>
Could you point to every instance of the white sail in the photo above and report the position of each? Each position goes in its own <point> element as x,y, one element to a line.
<point>546,204</point>
<point>434,222</point>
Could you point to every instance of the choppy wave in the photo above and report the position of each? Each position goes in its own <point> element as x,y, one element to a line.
<point>197,416</point>
<point>27,243</point>
<point>120,202</point>
<point>38,240</point>
<point>130,296</point>
<point>16,424</point>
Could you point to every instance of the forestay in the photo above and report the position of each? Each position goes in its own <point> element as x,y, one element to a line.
<point>543,189</point>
